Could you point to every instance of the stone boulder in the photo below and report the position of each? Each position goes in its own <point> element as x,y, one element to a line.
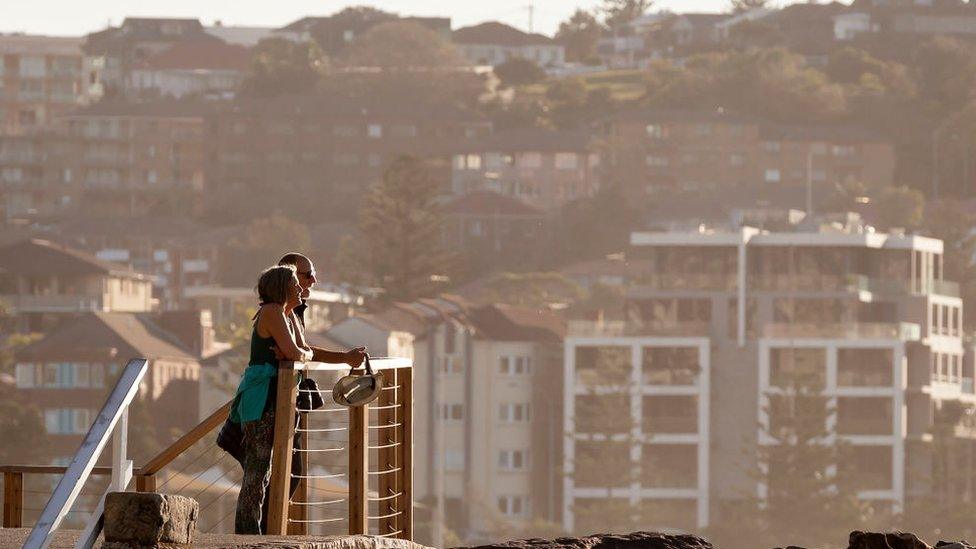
<point>146,520</point>
<point>641,540</point>
<point>885,540</point>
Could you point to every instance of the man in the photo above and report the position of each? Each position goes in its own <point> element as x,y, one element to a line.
<point>307,279</point>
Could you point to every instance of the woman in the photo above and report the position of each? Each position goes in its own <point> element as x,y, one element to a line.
<point>275,328</point>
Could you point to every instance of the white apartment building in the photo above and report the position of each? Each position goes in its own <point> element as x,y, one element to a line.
<point>868,314</point>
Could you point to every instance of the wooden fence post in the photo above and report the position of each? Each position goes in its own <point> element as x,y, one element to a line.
<point>281,452</point>
<point>405,399</point>
<point>13,500</point>
<point>145,483</point>
<point>358,466</point>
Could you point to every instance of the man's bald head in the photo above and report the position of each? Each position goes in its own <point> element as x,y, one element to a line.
<point>304,269</point>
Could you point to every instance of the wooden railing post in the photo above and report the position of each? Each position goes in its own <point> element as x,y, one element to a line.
<point>281,452</point>
<point>13,500</point>
<point>358,466</point>
<point>387,455</point>
<point>405,476</point>
<point>146,483</point>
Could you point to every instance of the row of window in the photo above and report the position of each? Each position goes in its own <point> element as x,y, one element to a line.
<point>507,365</point>
<point>533,160</point>
<point>373,131</point>
<point>372,160</point>
<point>945,319</point>
<point>946,368</point>
<point>508,413</point>
<point>64,375</point>
<point>36,66</point>
<point>508,460</point>
<point>661,131</point>
<point>68,421</point>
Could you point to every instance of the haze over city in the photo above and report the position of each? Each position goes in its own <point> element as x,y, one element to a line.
<point>686,274</point>
<point>70,18</point>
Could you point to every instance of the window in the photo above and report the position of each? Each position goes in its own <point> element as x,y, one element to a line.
<point>818,175</point>
<point>530,160</point>
<point>403,131</point>
<point>843,150</point>
<point>32,67</point>
<point>375,131</point>
<point>657,161</point>
<point>703,129</point>
<point>453,460</point>
<point>345,131</point>
<point>514,365</point>
<point>513,506</point>
<point>771,146</point>
<point>451,365</point>
<point>67,421</point>
<point>656,131</point>
<point>374,160</point>
<point>25,376</point>
<point>514,412</point>
<point>152,177</point>
<point>31,90</point>
<point>566,161</point>
<point>452,412</point>
<point>772,176</point>
<point>737,160</point>
<point>513,460</point>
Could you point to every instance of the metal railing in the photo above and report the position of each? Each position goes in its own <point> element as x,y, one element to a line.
<point>373,442</point>
<point>905,331</point>
<point>112,421</point>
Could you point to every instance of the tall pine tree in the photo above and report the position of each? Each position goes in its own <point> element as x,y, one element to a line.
<point>399,246</point>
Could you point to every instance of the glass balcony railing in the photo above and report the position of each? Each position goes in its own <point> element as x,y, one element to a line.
<point>849,283</point>
<point>685,281</point>
<point>904,331</point>
<point>626,328</point>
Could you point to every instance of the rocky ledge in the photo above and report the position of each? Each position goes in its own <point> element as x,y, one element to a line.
<point>643,540</point>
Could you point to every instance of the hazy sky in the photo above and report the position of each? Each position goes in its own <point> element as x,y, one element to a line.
<point>78,17</point>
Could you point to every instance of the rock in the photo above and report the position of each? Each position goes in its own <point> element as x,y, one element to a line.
<point>642,540</point>
<point>954,545</point>
<point>885,540</point>
<point>145,520</point>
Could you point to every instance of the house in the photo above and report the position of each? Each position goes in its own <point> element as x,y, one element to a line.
<point>493,43</point>
<point>41,280</point>
<point>199,67</point>
<point>544,169</point>
<point>70,372</point>
<point>116,51</point>
<point>43,77</point>
<point>905,18</point>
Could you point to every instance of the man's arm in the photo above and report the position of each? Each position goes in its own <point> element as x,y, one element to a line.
<point>352,357</point>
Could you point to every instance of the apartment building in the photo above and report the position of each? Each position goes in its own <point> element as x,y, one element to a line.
<point>489,415</point>
<point>41,77</point>
<point>493,43</point>
<point>202,68</point>
<point>327,151</point>
<point>136,159</point>
<point>544,169</point>
<point>668,151</point>
<point>719,323</point>
<point>33,179</point>
<point>41,281</point>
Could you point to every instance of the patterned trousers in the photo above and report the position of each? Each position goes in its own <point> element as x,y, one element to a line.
<point>252,502</point>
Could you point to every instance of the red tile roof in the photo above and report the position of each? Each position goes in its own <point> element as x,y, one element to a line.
<point>43,257</point>
<point>201,55</point>
<point>501,322</point>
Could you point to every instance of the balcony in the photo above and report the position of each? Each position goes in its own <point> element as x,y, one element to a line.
<point>722,282</point>
<point>848,283</point>
<point>625,328</point>
<point>903,331</point>
<point>24,303</point>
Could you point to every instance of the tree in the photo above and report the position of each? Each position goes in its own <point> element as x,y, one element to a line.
<point>21,429</point>
<point>519,71</point>
<point>579,35</point>
<point>810,490</point>
<point>403,59</point>
<point>604,435</point>
<point>591,228</point>
<point>397,247</point>
<point>280,66</point>
<point>534,290</point>
<point>901,207</point>
<point>739,6</point>
<point>262,242</point>
<point>330,33</point>
<point>621,12</point>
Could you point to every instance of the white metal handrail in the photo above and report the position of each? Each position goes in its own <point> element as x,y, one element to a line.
<point>112,419</point>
